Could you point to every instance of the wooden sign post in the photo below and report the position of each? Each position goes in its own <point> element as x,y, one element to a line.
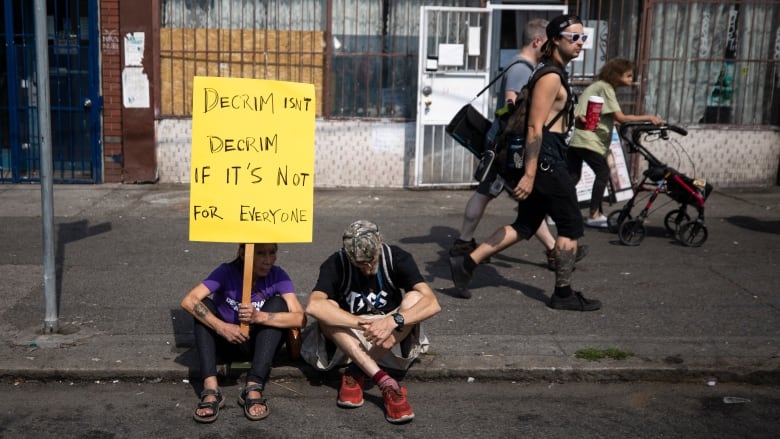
<point>246,292</point>
<point>252,174</point>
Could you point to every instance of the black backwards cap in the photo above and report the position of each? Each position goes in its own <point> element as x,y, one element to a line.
<point>559,23</point>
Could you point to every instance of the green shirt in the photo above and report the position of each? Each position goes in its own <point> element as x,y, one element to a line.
<point>600,139</point>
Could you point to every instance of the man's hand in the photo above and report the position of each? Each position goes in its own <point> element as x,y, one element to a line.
<point>524,187</point>
<point>379,332</point>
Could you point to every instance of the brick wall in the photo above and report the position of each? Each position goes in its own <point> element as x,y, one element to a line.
<point>111,91</point>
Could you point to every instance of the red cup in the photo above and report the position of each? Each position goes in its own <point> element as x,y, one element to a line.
<point>593,113</point>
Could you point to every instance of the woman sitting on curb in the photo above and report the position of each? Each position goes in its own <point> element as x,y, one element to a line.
<point>216,305</point>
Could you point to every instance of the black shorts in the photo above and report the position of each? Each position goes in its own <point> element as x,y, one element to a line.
<point>554,194</point>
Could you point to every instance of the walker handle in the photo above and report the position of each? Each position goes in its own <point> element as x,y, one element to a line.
<point>679,130</point>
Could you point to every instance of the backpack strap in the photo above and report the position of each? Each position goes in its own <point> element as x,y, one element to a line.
<point>386,262</point>
<point>506,109</point>
<point>524,61</point>
<point>346,273</point>
<point>500,75</point>
<point>538,73</point>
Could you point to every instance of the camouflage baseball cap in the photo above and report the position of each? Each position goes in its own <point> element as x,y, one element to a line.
<point>362,241</point>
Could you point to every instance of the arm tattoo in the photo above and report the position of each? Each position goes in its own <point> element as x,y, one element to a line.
<point>201,310</point>
<point>271,315</point>
<point>532,147</point>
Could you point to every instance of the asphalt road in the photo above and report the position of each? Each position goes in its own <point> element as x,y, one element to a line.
<point>301,409</point>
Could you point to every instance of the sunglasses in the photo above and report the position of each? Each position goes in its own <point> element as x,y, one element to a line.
<point>575,36</point>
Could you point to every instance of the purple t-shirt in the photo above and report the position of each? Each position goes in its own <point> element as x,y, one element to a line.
<point>226,283</point>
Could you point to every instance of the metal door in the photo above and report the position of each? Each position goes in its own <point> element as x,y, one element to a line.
<point>454,60</point>
<point>459,48</point>
<point>73,81</point>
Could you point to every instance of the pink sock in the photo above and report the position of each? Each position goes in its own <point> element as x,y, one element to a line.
<point>382,379</point>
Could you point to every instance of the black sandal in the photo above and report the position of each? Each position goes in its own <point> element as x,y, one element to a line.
<point>213,405</point>
<point>249,402</point>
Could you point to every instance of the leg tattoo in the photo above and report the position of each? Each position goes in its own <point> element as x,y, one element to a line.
<point>563,267</point>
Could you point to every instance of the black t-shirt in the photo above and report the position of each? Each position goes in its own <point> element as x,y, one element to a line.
<point>375,294</point>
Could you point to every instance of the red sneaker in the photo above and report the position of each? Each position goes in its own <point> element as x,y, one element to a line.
<point>351,392</point>
<point>397,408</point>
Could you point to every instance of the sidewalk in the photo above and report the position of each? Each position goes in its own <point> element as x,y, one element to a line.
<point>125,262</point>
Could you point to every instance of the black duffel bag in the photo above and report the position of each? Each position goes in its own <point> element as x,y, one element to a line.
<point>469,128</point>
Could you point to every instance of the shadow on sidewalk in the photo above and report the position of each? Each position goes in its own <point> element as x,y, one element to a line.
<point>67,233</point>
<point>756,225</point>
<point>486,275</point>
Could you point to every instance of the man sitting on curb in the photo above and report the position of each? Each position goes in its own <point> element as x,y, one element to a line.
<point>369,301</point>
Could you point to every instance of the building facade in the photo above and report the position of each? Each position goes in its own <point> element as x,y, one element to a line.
<point>121,80</point>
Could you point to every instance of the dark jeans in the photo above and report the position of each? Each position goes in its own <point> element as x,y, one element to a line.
<point>598,163</point>
<point>260,349</point>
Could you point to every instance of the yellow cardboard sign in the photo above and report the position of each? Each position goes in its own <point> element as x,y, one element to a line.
<point>252,175</point>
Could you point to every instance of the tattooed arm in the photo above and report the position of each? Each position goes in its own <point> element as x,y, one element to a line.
<point>542,98</point>
<point>293,318</point>
<point>533,144</point>
<point>200,310</point>
<point>193,304</point>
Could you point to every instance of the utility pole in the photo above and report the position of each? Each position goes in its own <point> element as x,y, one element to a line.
<point>51,321</point>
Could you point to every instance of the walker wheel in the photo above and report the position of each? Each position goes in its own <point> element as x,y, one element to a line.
<point>614,220</point>
<point>632,232</point>
<point>692,234</point>
<point>674,219</point>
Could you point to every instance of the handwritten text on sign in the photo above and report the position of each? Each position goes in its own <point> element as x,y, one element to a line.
<point>252,176</point>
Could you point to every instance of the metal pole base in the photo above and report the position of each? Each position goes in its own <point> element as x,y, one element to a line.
<point>50,327</point>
